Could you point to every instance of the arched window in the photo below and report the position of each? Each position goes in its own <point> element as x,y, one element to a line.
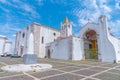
<point>23,35</point>
<point>42,40</point>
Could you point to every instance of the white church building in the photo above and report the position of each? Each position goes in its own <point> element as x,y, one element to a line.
<point>5,45</point>
<point>93,42</point>
<point>41,35</point>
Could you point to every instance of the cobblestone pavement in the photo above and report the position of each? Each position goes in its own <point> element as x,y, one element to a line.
<point>64,70</point>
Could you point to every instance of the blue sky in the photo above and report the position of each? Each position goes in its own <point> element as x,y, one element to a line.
<point>15,15</point>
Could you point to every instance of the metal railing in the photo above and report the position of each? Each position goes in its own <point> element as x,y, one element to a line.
<point>91,53</point>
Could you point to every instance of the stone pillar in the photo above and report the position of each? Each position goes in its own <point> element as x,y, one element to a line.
<point>30,57</point>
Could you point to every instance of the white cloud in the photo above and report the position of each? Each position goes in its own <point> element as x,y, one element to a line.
<point>92,10</point>
<point>4,9</point>
<point>6,2</point>
<point>40,2</point>
<point>4,27</point>
<point>105,8</point>
<point>29,10</point>
<point>83,21</point>
<point>14,35</point>
<point>3,1</point>
<point>115,27</point>
<point>8,28</point>
<point>63,2</point>
<point>117,5</point>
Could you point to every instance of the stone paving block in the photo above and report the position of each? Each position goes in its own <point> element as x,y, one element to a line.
<point>22,77</point>
<point>71,68</point>
<point>65,77</point>
<point>12,62</point>
<point>88,62</point>
<point>110,65</point>
<point>114,71</point>
<point>95,64</point>
<point>1,71</point>
<point>55,63</point>
<point>59,66</point>
<point>3,74</point>
<point>90,79</point>
<point>107,76</point>
<point>98,68</point>
<point>79,65</point>
<point>86,72</point>
<point>46,73</point>
<point>82,66</point>
<point>118,68</point>
<point>1,65</point>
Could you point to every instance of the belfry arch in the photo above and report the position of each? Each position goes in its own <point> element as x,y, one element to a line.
<point>90,44</point>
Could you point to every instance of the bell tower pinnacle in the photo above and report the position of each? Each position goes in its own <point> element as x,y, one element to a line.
<point>66,28</point>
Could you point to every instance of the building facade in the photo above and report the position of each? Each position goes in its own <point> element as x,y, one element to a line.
<point>67,46</point>
<point>41,35</point>
<point>5,45</point>
<point>93,42</point>
<point>99,43</point>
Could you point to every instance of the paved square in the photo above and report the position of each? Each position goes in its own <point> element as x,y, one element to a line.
<point>21,77</point>
<point>3,74</point>
<point>86,72</point>
<point>46,73</point>
<point>71,68</point>
<point>64,70</point>
<point>110,65</point>
<point>65,77</point>
<point>115,71</point>
<point>89,79</point>
<point>108,76</point>
<point>98,68</point>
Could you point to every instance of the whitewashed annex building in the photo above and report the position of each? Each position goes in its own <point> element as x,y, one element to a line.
<point>94,42</point>
<point>5,45</point>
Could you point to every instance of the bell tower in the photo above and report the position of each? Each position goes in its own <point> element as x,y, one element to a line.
<point>66,28</point>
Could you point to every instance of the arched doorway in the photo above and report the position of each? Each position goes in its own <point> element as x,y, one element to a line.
<point>48,53</point>
<point>90,45</point>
